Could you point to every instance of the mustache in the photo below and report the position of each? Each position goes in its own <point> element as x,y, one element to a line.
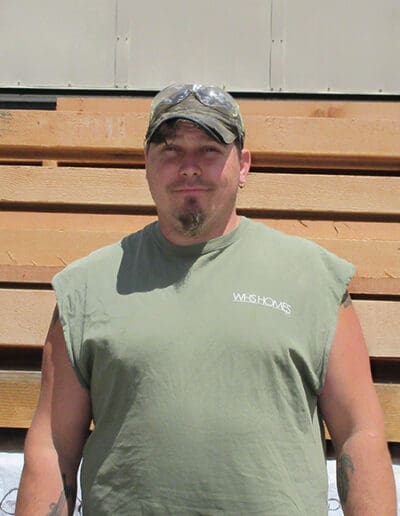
<point>197,183</point>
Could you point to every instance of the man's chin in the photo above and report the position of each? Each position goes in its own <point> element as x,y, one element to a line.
<point>191,222</point>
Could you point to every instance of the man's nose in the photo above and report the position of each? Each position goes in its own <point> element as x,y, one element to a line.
<point>189,168</point>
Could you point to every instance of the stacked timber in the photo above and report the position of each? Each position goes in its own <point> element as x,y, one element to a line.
<point>73,180</point>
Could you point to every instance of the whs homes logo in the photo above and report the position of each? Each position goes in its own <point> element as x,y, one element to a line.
<point>267,301</point>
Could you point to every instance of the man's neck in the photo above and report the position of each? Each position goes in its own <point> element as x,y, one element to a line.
<point>178,237</point>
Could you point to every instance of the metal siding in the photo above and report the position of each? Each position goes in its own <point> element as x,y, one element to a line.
<point>223,42</point>
<point>56,44</point>
<point>342,46</point>
<point>256,46</point>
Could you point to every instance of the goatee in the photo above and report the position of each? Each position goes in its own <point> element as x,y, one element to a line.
<point>191,218</point>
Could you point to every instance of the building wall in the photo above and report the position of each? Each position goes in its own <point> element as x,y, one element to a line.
<point>312,46</point>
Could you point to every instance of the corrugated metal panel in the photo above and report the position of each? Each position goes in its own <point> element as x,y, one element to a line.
<point>310,46</point>
<point>134,44</point>
<point>218,41</point>
<point>57,44</point>
<point>341,46</point>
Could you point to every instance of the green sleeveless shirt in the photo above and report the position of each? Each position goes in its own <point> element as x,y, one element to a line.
<point>204,363</point>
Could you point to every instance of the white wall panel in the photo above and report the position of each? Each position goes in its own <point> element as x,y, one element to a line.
<point>213,41</point>
<point>307,46</point>
<point>341,46</point>
<point>57,43</point>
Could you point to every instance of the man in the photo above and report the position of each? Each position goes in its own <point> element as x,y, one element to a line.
<point>205,348</point>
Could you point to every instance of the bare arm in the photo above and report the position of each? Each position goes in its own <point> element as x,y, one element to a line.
<point>56,437</point>
<point>352,412</point>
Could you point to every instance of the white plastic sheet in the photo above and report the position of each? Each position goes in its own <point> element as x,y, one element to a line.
<point>10,473</point>
<point>11,468</point>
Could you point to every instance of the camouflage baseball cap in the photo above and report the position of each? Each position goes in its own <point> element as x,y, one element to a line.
<point>210,107</point>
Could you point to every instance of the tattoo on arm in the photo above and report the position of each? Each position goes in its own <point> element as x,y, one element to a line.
<point>346,299</point>
<point>68,493</point>
<point>56,508</point>
<point>345,467</point>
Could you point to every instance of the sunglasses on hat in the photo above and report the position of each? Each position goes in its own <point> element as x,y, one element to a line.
<point>226,121</point>
<point>210,96</point>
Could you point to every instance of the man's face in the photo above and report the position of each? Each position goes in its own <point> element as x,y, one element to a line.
<point>194,181</point>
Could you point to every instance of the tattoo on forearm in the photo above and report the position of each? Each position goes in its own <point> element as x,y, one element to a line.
<point>68,493</point>
<point>56,508</point>
<point>346,299</point>
<point>345,467</point>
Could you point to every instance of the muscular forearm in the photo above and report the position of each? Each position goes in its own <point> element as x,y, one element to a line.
<point>365,477</point>
<point>45,490</point>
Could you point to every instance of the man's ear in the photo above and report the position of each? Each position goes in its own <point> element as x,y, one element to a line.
<point>245,162</point>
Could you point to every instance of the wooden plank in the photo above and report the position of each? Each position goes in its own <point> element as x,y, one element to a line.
<point>267,107</point>
<point>380,323</point>
<point>313,193</point>
<point>321,193</point>
<point>274,141</point>
<point>19,391</point>
<point>104,104</point>
<point>389,397</point>
<point>30,253</point>
<point>324,142</point>
<point>377,262</point>
<point>26,314</point>
<point>124,224</point>
<point>78,186</point>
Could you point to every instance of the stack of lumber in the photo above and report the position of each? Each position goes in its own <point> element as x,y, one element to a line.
<point>73,179</point>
